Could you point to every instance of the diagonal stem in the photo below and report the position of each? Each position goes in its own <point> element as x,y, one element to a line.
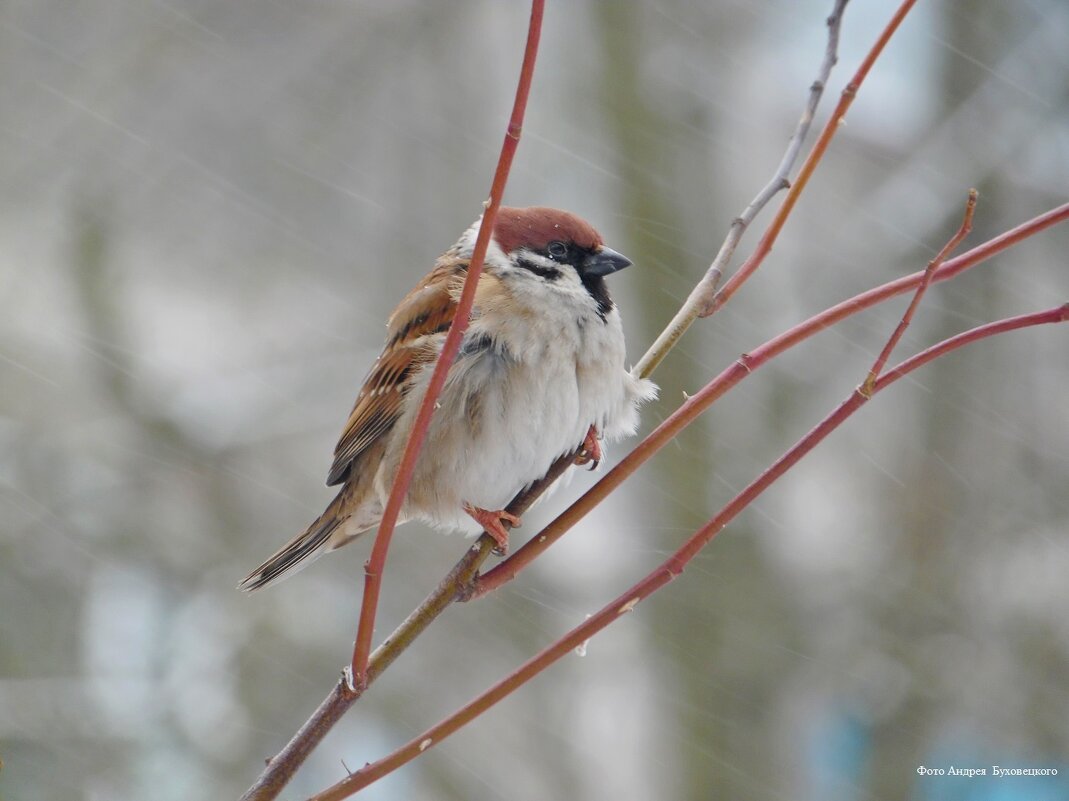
<point>376,563</point>
<point>922,287</point>
<point>702,295</point>
<point>357,675</point>
<point>764,247</point>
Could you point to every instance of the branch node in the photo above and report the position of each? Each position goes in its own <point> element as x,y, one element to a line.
<point>709,308</point>
<point>465,592</point>
<point>712,278</point>
<point>352,685</point>
<point>922,287</point>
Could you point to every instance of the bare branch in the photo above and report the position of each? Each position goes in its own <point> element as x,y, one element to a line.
<point>764,247</point>
<point>922,287</point>
<point>376,563</point>
<point>701,297</point>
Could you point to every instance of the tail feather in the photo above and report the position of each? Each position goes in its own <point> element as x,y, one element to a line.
<point>299,552</point>
<point>345,518</point>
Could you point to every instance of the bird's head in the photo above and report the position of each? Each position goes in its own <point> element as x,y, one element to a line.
<point>550,254</point>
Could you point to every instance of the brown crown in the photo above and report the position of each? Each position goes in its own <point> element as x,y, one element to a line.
<point>535,227</point>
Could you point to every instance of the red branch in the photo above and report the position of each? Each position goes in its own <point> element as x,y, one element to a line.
<point>735,373</point>
<point>764,247</point>
<point>376,563</point>
<point>922,287</point>
<point>675,564</point>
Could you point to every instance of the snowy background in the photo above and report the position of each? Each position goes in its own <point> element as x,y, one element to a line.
<point>209,208</point>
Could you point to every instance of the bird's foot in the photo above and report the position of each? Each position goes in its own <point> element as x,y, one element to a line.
<point>493,522</point>
<point>590,451</point>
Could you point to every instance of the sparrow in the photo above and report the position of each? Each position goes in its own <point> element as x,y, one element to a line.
<point>540,373</point>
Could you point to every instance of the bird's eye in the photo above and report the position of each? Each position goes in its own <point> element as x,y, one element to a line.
<point>557,250</point>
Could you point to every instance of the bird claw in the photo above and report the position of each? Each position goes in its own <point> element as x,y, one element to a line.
<point>493,522</point>
<point>590,450</point>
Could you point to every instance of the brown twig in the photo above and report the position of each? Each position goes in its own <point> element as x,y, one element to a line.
<point>702,295</point>
<point>675,564</point>
<point>377,561</point>
<point>922,287</point>
<point>764,247</point>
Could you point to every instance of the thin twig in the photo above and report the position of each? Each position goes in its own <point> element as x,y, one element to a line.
<point>376,563</point>
<point>922,287</point>
<point>702,295</point>
<point>675,564</point>
<point>764,247</point>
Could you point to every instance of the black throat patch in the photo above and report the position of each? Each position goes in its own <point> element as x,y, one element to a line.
<point>595,285</point>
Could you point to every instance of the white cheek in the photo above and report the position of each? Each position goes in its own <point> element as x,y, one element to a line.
<point>565,299</point>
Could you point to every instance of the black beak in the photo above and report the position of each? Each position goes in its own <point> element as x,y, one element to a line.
<point>604,262</point>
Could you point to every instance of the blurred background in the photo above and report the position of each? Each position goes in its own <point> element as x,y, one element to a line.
<point>207,211</point>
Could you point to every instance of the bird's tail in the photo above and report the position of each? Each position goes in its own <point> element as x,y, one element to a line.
<point>342,522</point>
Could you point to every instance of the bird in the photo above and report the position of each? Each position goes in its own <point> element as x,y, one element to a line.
<point>540,373</point>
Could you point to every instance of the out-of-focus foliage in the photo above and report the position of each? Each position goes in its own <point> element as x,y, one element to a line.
<point>207,211</point>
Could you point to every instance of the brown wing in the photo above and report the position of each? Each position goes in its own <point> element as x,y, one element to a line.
<point>426,311</point>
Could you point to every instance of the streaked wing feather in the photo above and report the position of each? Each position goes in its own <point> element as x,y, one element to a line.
<point>426,311</point>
